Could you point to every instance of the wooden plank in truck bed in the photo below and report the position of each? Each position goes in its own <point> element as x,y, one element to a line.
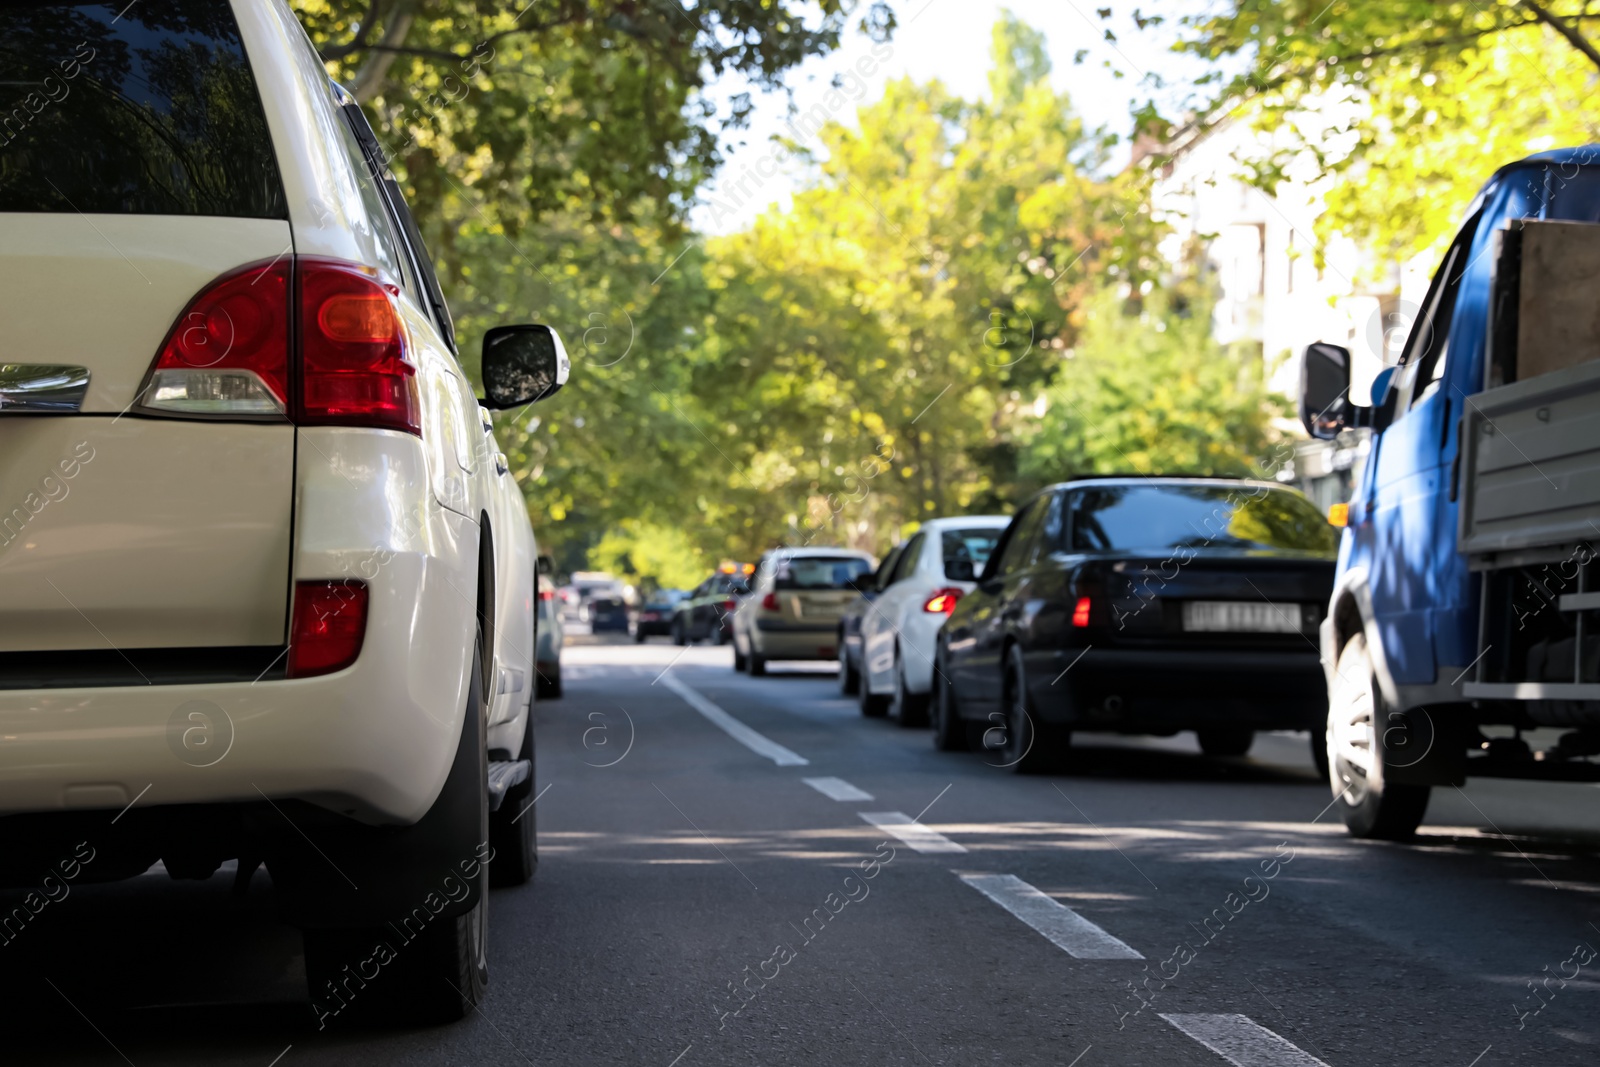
<point>1558,315</point>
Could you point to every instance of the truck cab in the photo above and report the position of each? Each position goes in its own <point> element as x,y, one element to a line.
<point>1429,637</point>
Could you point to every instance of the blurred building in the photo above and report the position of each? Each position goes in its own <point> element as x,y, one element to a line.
<point>1274,297</point>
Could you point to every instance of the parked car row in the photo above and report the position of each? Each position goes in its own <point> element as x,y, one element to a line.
<point>1139,605</point>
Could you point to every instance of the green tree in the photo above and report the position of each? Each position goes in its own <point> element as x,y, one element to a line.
<point>868,348</point>
<point>592,107</point>
<point>1411,103</point>
<point>1148,390</point>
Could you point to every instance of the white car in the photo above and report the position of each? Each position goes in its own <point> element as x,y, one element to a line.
<point>266,584</point>
<point>796,599</point>
<point>900,628</point>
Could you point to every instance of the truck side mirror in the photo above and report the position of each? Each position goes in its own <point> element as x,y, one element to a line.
<point>1325,406</point>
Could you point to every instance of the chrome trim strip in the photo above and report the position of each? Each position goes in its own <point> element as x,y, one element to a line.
<point>42,387</point>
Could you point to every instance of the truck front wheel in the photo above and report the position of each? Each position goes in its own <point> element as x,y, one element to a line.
<point>1371,806</point>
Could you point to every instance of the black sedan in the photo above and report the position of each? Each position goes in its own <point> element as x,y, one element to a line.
<point>655,615</point>
<point>708,610</point>
<point>1140,606</point>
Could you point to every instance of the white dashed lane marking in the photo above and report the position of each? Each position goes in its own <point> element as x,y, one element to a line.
<point>910,832</point>
<point>837,789</point>
<point>1242,1042</point>
<point>1061,926</point>
<point>755,742</point>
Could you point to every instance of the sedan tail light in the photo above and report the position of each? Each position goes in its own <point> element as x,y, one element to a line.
<point>328,626</point>
<point>943,601</point>
<point>769,602</point>
<point>318,340</point>
<point>1080,612</point>
<point>729,605</point>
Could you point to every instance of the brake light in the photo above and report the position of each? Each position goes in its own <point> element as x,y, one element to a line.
<point>547,594</point>
<point>329,623</point>
<point>729,605</point>
<point>228,353</point>
<point>769,602</point>
<point>353,366</point>
<point>1080,613</point>
<point>943,601</point>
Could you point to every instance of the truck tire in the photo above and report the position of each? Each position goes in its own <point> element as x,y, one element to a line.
<point>429,970</point>
<point>1371,807</point>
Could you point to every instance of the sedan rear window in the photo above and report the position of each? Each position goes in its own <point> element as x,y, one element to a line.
<point>1158,517</point>
<point>974,546</point>
<point>819,572</point>
<point>148,108</point>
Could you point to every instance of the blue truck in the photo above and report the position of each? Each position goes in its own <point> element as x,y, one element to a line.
<point>1467,596</point>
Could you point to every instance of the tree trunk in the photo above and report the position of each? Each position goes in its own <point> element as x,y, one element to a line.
<point>369,77</point>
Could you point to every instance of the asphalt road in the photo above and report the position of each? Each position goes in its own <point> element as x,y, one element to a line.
<point>699,902</point>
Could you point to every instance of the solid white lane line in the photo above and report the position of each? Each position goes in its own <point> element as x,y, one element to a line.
<point>837,789</point>
<point>909,831</point>
<point>1242,1042</point>
<point>760,745</point>
<point>1061,926</point>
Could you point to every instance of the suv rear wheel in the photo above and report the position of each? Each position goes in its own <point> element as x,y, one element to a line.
<point>430,970</point>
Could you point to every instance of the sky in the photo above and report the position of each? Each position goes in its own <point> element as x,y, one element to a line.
<point>947,40</point>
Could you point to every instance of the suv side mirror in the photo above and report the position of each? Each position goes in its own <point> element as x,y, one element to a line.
<point>522,364</point>
<point>546,565</point>
<point>1325,406</point>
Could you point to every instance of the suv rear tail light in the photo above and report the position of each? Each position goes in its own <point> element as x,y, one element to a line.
<point>228,353</point>
<point>943,601</point>
<point>353,366</point>
<point>1080,612</point>
<point>769,602</point>
<point>329,623</point>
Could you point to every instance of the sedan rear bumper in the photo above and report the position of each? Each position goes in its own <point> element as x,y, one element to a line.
<point>1162,690</point>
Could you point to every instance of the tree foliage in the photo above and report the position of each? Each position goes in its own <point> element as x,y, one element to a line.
<point>1148,390</point>
<point>1413,102</point>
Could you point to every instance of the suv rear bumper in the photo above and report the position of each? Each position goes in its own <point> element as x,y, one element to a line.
<point>373,742</point>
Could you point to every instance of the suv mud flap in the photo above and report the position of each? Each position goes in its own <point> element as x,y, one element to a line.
<point>348,874</point>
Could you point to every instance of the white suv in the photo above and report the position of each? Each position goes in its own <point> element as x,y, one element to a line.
<point>266,586</point>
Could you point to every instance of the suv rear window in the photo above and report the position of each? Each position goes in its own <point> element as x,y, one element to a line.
<point>1159,517</point>
<point>147,108</point>
<point>819,572</point>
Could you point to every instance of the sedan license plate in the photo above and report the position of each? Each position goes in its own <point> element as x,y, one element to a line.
<point>1240,616</point>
